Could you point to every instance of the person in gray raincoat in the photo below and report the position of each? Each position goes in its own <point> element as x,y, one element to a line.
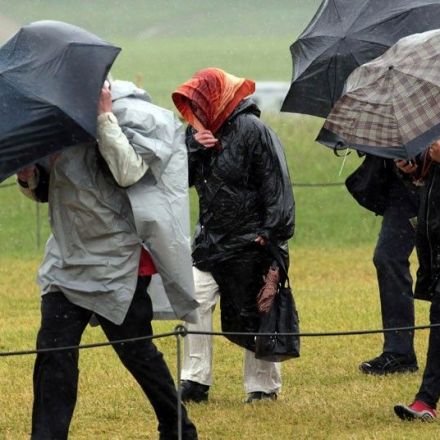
<point>119,215</point>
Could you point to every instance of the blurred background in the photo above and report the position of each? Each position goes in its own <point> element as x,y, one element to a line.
<point>163,43</point>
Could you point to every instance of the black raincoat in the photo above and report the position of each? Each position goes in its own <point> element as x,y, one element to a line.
<point>244,191</point>
<point>428,237</point>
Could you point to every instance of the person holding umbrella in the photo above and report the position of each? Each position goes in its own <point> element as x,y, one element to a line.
<point>427,286</point>
<point>238,168</point>
<point>343,35</point>
<point>95,264</point>
<point>397,203</point>
<point>391,109</point>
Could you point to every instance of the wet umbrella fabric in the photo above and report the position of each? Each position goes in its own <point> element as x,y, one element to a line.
<point>391,106</point>
<point>51,74</point>
<point>343,35</point>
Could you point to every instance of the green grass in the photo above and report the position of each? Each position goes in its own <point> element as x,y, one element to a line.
<point>164,42</point>
<point>161,65</point>
<point>164,18</point>
<point>207,33</point>
<point>326,216</point>
<point>324,395</point>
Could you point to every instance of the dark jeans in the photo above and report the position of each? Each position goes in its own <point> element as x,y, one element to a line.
<point>56,373</point>
<point>430,389</point>
<point>394,246</point>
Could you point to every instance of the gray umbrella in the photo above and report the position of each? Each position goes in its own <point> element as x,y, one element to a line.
<point>391,106</point>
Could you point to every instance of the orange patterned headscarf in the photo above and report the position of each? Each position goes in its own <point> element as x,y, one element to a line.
<point>210,96</point>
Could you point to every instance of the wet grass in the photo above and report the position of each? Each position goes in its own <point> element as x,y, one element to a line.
<point>324,395</point>
<point>326,215</point>
<point>153,19</point>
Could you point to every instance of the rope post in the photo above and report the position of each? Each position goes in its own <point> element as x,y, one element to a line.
<point>37,225</point>
<point>180,332</point>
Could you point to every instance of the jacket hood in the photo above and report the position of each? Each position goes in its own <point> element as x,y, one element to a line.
<point>247,105</point>
<point>124,89</point>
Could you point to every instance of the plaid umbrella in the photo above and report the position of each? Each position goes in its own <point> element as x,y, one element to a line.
<point>391,106</point>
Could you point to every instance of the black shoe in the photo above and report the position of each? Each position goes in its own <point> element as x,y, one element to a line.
<point>260,395</point>
<point>389,363</point>
<point>194,391</point>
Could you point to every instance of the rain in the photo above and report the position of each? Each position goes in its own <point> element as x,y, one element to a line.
<point>107,264</point>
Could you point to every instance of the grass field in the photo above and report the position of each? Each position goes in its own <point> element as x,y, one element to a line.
<point>324,396</point>
<point>196,34</point>
<point>327,216</point>
<point>164,18</point>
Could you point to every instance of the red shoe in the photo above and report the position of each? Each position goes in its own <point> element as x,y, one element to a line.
<point>417,410</point>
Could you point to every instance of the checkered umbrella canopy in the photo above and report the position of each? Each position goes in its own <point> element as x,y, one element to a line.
<point>391,105</point>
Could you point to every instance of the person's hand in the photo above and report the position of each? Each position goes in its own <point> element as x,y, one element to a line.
<point>206,138</point>
<point>406,166</point>
<point>434,151</point>
<point>261,240</point>
<point>105,100</point>
<point>26,173</point>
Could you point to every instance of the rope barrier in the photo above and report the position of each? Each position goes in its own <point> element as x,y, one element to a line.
<point>182,331</point>
<point>85,346</point>
<point>299,185</point>
<point>316,185</point>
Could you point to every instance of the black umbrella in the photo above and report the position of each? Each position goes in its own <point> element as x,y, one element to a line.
<point>51,74</point>
<point>343,35</point>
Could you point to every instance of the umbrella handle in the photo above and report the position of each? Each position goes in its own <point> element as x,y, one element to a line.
<point>344,161</point>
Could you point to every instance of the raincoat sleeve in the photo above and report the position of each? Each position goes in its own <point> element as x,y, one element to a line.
<point>196,153</point>
<point>126,166</point>
<point>150,131</point>
<point>271,172</point>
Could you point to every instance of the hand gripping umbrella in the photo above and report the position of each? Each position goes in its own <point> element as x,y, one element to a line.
<point>51,74</point>
<point>391,107</point>
<point>343,35</point>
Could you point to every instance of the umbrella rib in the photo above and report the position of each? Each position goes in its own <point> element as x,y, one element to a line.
<point>393,105</point>
<point>426,80</point>
<point>37,97</point>
<point>393,16</point>
<point>313,21</point>
<point>355,19</point>
<point>337,11</point>
<point>396,68</point>
<point>310,61</point>
<point>57,55</point>
<point>30,93</point>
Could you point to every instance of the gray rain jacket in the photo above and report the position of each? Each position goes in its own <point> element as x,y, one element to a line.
<point>93,254</point>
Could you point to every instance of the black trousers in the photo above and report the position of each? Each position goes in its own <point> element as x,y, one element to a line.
<point>394,246</point>
<point>239,281</point>
<point>430,388</point>
<point>56,373</point>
